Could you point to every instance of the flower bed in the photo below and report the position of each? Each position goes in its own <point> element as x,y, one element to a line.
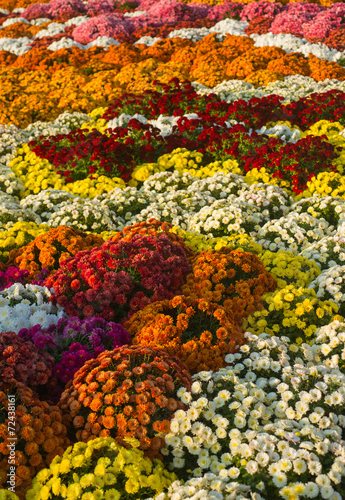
<point>172,250</point>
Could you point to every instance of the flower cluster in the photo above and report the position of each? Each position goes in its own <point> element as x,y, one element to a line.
<point>197,332</point>
<point>11,212</point>
<point>20,234</point>
<point>46,202</point>
<point>292,312</point>
<point>36,174</point>
<point>226,217</point>
<point>266,464</point>
<point>330,208</point>
<point>85,215</point>
<point>289,269</point>
<point>24,306</point>
<point>102,467</point>
<point>12,275</point>
<point>272,200</point>
<point>152,227</point>
<point>22,361</point>
<point>293,232</point>
<point>48,250</point>
<point>327,252</point>
<point>118,278</point>
<point>39,432</point>
<point>234,279</point>
<point>329,286</point>
<point>127,392</point>
<point>263,423</point>
<point>95,186</point>
<point>72,342</point>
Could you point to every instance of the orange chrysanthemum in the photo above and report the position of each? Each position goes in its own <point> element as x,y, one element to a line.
<point>49,249</point>
<point>136,407</point>
<point>33,451</point>
<point>198,332</point>
<point>236,280</point>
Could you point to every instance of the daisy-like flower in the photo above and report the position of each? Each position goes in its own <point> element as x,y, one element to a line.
<point>279,479</point>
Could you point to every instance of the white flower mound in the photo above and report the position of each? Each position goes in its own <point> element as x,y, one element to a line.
<point>268,425</point>
<point>330,285</point>
<point>15,20</point>
<point>292,88</point>
<point>85,215</point>
<point>17,46</point>
<point>25,306</point>
<point>293,233</point>
<point>101,41</point>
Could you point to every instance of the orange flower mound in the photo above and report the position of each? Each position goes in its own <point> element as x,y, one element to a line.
<point>18,30</point>
<point>127,392</point>
<point>46,83</point>
<point>121,55</point>
<point>197,332</point>
<point>321,69</point>
<point>234,279</point>
<point>40,58</point>
<point>39,434</point>
<point>6,58</point>
<point>242,67</point>
<point>48,250</point>
<point>172,69</point>
<point>185,55</point>
<point>15,4</point>
<point>151,227</point>
<point>290,64</point>
<point>327,3</point>
<point>208,69</point>
<point>241,43</point>
<point>263,77</point>
<point>164,49</point>
<point>251,61</point>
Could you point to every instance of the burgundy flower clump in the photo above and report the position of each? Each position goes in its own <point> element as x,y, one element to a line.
<point>199,10</point>
<point>21,360</point>
<point>297,163</point>
<point>13,275</point>
<point>78,154</point>
<point>73,341</point>
<point>176,98</point>
<point>45,41</point>
<point>119,278</point>
<point>336,39</point>
<point>259,25</point>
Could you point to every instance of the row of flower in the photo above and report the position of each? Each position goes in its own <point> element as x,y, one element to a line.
<point>128,21</point>
<point>294,146</point>
<point>172,299</point>
<point>197,48</point>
